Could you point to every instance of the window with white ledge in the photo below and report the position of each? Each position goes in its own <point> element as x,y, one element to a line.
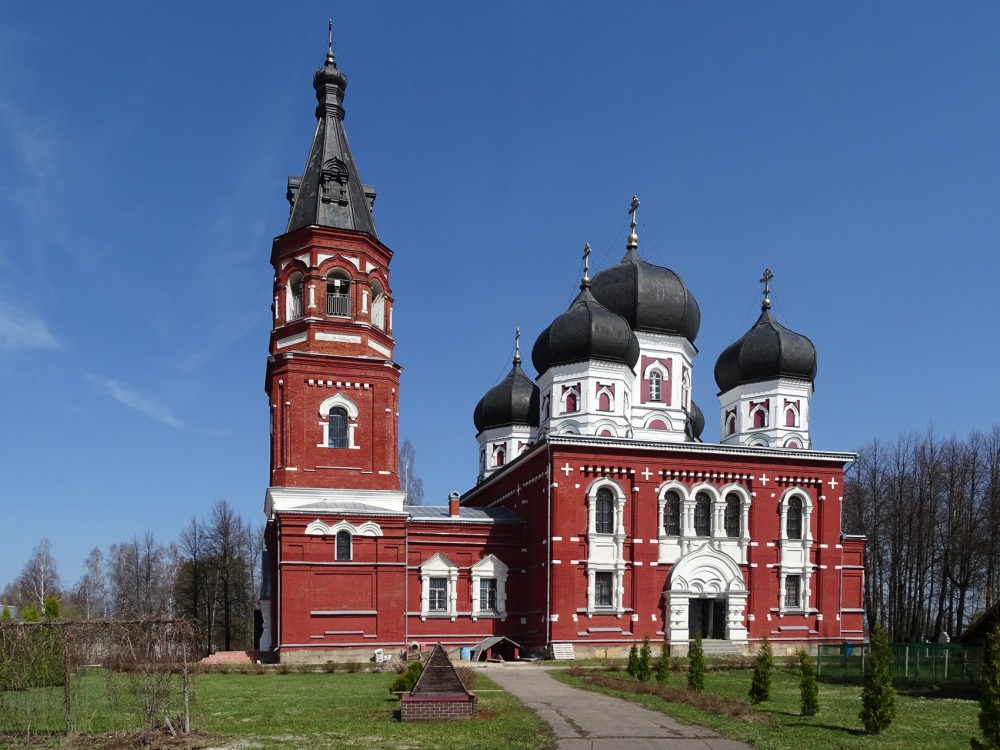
<point>489,588</point>
<point>438,587</point>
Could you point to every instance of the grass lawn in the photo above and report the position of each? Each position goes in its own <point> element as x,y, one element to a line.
<point>940,723</point>
<point>324,711</point>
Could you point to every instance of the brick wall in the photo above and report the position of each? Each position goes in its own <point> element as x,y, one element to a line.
<point>438,707</point>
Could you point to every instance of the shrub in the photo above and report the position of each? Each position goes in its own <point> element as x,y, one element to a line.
<point>696,665</point>
<point>284,668</point>
<point>353,666</point>
<point>633,661</point>
<point>878,699</point>
<point>760,687</point>
<point>989,694</point>
<point>329,666</point>
<point>408,678</point>
<point>808,689</point>
<point>644,666</point>
<point>663,665</point>
<point>467,675</point>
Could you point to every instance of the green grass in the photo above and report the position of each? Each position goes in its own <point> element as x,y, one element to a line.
<point>320,711</point>
<point>939,723</point>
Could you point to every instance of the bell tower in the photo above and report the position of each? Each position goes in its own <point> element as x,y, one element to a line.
<point>332,383</point>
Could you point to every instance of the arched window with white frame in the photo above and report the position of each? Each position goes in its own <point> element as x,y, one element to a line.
<point>672,513</point>
<point>793,519</point>
<point>758,415</point>
<point>293,296</point>
<point>343,551</point>
<point>703,514</point>
<point>378,305</point>
<point>338,420</point>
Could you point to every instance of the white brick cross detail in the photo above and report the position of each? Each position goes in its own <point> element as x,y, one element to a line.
<point>566,469</point>
<point>763,479</point>
<point>647,474</point>
<point>832,483</point>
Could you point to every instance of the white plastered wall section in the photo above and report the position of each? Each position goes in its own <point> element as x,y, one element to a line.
<point>775,433</point>
<point>680,353</point>
<point>592,377</point>
<point>512,439</point>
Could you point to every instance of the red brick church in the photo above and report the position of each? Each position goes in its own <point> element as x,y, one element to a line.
<point>599,517</point>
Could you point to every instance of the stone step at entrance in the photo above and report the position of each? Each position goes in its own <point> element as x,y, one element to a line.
<point>715,647</point>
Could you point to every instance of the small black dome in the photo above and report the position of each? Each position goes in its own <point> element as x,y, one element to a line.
<point>697,423</point>
<point>514,400</point>
<point>651,298</point>
<point>587,330</point>
<point>768,350</point>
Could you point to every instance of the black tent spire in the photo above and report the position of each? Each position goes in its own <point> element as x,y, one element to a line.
<point>330,192</point>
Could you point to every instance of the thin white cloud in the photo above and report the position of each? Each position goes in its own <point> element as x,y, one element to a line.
<point>20,329</point>
<point>137,402</point>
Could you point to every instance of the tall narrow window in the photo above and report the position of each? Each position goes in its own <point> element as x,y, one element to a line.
<point>655,386</point>
<point>793,525</point>
<point>501,457</point>
<point>672,514</point>
<point>437,595</point>
<point>378,306</point>
<point>295,286</point>
<point>730,424</point>
<point>572,404</point>
<point>790,420</point>
<point>793,592</point>
<point>338,295</point>
<point>487,594</point>
<point>604,583</point>
<point>604,522</point>
<point>343,545</point>
<point>734,516</point>
<point>759,417</point>
<point>604,401</point>
<point>338,427</point>
<point>703,515</point>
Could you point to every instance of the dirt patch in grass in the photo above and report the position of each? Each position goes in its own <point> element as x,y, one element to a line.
<point>722,705</point>
<point>143,740</point>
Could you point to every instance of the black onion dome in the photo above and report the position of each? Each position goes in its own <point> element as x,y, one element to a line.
<point>587,330</point>
<point>514,400</point>
<point>697,421</point>
<point>768,350</point>
<point>651,298</point>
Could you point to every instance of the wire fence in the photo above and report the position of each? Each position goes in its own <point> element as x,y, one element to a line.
<point>63,676</point>
<point>915,666</point>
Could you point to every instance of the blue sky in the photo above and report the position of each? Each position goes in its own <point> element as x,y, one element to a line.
<point>853,147</point>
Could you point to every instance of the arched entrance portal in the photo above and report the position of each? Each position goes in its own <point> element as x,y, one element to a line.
<point>706,593</point>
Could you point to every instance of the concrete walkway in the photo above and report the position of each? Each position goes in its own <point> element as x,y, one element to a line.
<point>584,720</point>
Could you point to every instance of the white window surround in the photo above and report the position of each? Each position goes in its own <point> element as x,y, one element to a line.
<point>795,553</point>
<point>319,528</point>
<point>489,567</point>
<point>606,425</point>
<point>656,366</point>
<point>795,416</point>
<point>671,546</point>
<point>565,395</point>
<point>338,399</point>
<point>750,417</point>
<point>439,566</point>
<point>617,590</point>
<point>605,551</point>
<point>618,495</point>
<point>604,390</point>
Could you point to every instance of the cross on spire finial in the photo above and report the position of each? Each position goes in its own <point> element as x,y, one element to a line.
<point>517,345</point>
<point>329,41</point>
<point>766,281</point>
<point>633,238</point>
<point>586,265</point>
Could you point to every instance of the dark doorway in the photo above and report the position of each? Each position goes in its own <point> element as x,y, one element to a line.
<point>708,617</point>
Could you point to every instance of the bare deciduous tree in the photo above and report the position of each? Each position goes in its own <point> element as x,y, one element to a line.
<point>409,482</point>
